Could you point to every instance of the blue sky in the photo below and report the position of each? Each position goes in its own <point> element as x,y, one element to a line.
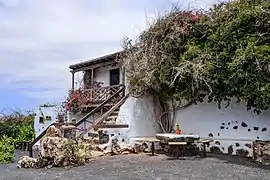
<point>39,39</point>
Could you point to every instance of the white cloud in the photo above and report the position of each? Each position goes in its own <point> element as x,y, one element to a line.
<point>40,39</point>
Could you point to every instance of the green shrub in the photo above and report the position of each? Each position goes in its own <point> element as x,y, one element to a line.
<point>19,128</point>
<point>6,150</point>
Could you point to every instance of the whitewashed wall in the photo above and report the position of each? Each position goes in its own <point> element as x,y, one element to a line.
<point>233,129</point>
<point>47,111</point>
<point>102,74</point>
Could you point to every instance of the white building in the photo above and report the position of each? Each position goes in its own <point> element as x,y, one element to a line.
<point>44,117</point>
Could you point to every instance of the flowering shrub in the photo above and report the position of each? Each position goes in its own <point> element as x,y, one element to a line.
<point>219,54</point>
<point>78,98</point>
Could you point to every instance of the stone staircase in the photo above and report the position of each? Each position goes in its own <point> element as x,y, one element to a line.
<point>112,118</point>
<point>105,120</point>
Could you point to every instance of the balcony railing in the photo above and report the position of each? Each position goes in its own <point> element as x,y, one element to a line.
<point>98,95</point>
<point>87,97</point>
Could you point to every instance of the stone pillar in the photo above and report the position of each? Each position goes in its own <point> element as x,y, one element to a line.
<point>69,131</point>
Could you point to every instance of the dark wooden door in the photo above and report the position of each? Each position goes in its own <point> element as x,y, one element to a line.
<point>114,76</point>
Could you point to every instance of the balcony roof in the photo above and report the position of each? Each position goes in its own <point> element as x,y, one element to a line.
<point>106,58</point>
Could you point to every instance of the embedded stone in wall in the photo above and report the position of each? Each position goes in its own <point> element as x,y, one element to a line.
<point>217,143</point>
<point>230,150</point>
<point>248,145</point>
<point>243,124</point>
<point>242,152</point>
<point>103,137</point>
<point>256,128</point>
<point>262,151</point>
<point>215,149</point>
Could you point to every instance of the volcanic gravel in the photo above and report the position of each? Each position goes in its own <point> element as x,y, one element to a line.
<point>146,167</point>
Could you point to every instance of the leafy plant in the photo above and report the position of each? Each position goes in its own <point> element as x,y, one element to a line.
<point>188,55</point>
<point>6,149</point>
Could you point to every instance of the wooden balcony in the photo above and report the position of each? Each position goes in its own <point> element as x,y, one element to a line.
<point>98,95</point>
<point>93,97</point>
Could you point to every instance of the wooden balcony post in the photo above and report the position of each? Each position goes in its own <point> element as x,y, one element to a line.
<point>72,80</point>
<point>92,77</point>
<point>124,79</point>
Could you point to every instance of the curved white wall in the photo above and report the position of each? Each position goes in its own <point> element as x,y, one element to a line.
<point>139,114</point>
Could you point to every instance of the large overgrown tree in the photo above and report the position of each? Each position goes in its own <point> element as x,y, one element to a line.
<point>221,53</point>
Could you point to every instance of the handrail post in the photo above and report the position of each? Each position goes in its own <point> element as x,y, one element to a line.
<point>31,150</point>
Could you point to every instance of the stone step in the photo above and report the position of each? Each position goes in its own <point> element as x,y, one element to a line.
<point>109,122</point>
<point>111,118</point>
<point>115,114</point>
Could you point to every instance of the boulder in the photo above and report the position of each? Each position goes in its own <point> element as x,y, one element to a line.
<point>57,151</point>
<point>27,162</point>
<point>262,152</point>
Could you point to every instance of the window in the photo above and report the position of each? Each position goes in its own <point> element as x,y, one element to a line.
<point>48,118</point>
<point>114,76</point>
<point>41,120</point>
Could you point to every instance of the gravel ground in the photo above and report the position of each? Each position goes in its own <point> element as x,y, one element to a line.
<point>146,167</point>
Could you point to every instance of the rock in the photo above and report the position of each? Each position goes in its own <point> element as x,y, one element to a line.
<point>215,149</point>
<point>262,151</point>
<point>69,131</point>
<point>266,152</point>
<point>230,149</point>
<point>57,151</point>
<point>97,153</point>
<point>128,150</point>
<point>242,152</point>
<point>115,146</point>
<point>248,145</point>
<point>95,140</point>
<point>27,162</point>
<point>52,131</point>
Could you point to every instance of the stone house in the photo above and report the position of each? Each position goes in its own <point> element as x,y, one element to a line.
<point>107,106</point>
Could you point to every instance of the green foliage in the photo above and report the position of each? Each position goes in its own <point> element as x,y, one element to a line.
<point>13,129</point>
<point>240,50</point>
<point>19,128</point>
<point>221,54</point>
<point>6,149</point>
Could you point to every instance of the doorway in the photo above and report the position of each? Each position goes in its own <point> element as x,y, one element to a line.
<point>114,77</point>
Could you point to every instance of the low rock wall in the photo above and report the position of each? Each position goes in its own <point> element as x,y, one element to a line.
<point>261,150</point>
